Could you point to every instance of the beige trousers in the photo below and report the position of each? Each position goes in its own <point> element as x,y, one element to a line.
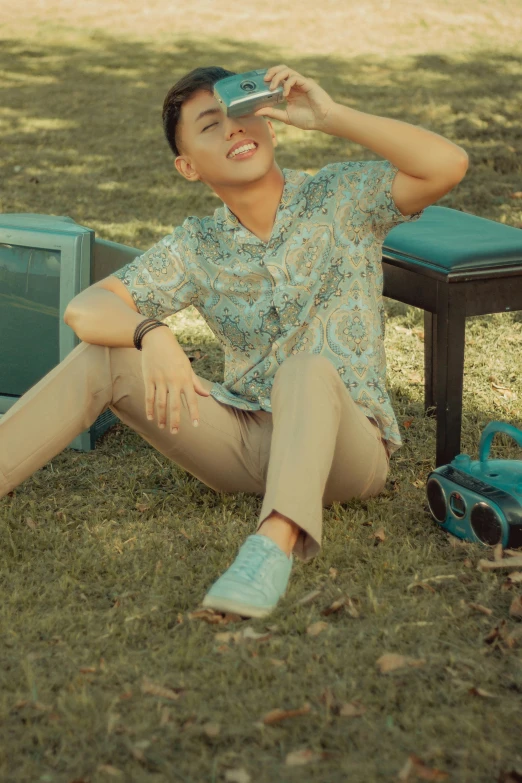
<point>317,446</point>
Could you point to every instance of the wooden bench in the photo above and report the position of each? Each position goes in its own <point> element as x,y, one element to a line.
<point>451,265</point>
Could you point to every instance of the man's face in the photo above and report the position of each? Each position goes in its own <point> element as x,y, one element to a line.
<point>206,141</point>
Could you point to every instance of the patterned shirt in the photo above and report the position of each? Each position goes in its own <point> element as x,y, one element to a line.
<point>315,286</point>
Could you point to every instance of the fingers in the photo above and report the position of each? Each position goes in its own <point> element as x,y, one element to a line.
<point>199,388</point>
<point>273,114</point>
<point>163,396</point>
<point>279,73</point>
<point>150,393</point>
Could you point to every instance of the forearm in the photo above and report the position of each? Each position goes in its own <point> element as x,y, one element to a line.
<point>414,150</point>
<point>100,317</point>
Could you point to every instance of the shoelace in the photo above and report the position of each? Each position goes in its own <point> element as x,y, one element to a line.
<point>255,561</point>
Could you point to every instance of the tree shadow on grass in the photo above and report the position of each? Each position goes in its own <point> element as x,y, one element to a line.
<point>84,124</point>
<point>80,125</point>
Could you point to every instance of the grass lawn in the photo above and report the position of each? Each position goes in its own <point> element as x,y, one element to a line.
<point>104,673</point>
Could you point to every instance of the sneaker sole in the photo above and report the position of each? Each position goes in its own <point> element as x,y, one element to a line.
<point>227,605</point>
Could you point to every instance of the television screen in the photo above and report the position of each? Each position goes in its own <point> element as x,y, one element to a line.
<point>29,315</point>
<point>45,261</point>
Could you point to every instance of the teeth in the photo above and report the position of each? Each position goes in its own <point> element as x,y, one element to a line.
<point>239,150</point>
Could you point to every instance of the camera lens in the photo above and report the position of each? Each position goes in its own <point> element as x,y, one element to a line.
<point>248,85</point>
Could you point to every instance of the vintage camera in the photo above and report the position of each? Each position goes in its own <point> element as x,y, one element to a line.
<point>480,500</point>
<point>244,93</point>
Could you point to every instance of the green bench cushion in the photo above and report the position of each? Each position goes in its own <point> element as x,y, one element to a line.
<point>449,240</point>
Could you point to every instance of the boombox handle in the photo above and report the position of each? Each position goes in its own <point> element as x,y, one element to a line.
<point>489,432</point>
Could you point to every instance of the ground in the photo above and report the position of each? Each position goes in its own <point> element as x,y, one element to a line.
<point>104,556</point>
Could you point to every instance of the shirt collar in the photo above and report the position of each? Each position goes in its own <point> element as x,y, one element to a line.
<point>225,220</point>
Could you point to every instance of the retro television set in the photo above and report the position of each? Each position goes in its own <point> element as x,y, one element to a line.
<point>45,261</point>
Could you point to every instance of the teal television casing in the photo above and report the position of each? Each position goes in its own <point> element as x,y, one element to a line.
<point>45,261</point>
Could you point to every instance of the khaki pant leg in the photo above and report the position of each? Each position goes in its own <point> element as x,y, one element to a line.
<point>93,378</point>
<point>320,447</point>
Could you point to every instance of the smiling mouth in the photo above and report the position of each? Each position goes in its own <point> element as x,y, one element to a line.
<point>245,154</point>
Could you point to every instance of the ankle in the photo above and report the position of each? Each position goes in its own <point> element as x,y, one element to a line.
<point>281,530</point>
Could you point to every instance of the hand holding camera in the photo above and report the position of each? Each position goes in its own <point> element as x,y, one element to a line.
<point>256,92</point>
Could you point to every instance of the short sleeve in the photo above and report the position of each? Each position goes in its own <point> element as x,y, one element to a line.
<point>158,280</point>
<point>371,184</point>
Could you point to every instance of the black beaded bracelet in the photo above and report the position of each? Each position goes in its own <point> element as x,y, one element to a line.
<point>141,330</point>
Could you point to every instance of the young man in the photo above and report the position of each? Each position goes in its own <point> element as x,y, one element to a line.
<point>288,276</point>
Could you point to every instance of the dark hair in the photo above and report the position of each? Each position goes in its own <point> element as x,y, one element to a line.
<point>198,79</point>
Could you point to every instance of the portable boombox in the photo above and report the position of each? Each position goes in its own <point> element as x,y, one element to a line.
<point>480,500</point>
<point>244,93</point>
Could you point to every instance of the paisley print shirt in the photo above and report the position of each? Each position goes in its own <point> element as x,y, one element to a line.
<point>315,286</point>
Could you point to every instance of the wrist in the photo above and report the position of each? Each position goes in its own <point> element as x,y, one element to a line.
<point>325,122</point>
<point>149,335</point>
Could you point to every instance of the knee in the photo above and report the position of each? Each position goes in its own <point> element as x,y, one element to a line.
<point>308,365</point>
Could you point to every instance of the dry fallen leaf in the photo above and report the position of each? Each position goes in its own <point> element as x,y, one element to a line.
<point>516,194</point>
<point>308,598</point>
<point>244,634</point>
<point>36,704</point>
<point>352,709</point>
<point>152,689</point>
<point>327,698</point>
<point>142,506</point>
<point>515,610</point>
<point>277,715</point>
<point>481,692</point>
<point>211,729</point>
<point>299,757</point>
<point>389,662</point>
<point>249,633</point>
<point>31,523</point>
<point>109,769</point>
<point>480,608</point>
<point>214,618</point>
<point>332,572</point>
<point>239,775</point>
<point>417,768</point>
<point>166,716</point>
<point>506,562</point>
<point>344,601</point>
<point>316,628</point>
<point>422,585</point>
<point>379,535</point>
<point>504,392</point>
<point>501,633</point>
<point>138,748</point>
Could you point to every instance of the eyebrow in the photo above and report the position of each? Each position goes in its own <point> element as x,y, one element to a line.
<point>207,111</point>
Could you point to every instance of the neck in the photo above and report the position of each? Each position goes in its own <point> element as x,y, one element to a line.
<point>255,203</point>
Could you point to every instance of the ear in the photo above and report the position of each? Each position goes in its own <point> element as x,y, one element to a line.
<point>184,167</point>
<point>272,132</point>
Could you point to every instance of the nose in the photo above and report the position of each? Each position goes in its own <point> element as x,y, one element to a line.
<point>234,125</point>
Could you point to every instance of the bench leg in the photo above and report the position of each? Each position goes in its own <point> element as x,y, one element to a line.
<point>430,352</point>
<point>449,376</point>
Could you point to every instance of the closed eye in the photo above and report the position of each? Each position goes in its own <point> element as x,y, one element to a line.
<point>209,126</point>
